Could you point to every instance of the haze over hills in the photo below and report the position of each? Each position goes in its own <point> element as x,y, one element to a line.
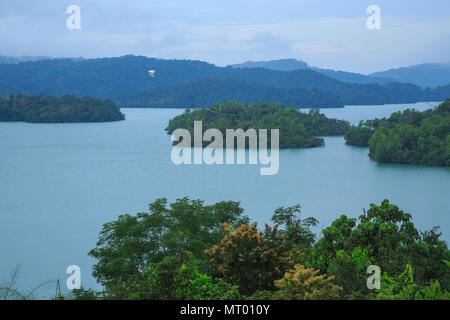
<point>430,75</point>
<point>353,77</point>
<point>126,76</point>
<point>425,75</point>
<point>280,64</point>
<point>11,60</point>
<point>294,64</point>
<point>19,59</point>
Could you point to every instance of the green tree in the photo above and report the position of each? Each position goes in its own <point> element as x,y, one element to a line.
<point>249,258</point>
<point>403,287</point>
<point>57,109</point>
<point>297,129</point>
<point>384,236</point>
<point>408,137</point>
<point>297,231</point>
<point>302,283</point>
<point>128,246</point>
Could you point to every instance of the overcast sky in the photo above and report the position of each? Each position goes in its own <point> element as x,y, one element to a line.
<point>330,34</point>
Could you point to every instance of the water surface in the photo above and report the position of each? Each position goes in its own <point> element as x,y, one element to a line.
<point>60,182</point>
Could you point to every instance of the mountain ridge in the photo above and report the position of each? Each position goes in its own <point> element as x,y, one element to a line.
<point>430,75</point>
<point>119,76</point>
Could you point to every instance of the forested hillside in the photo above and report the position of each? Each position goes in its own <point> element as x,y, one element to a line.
<point>115,77</point>
<point>205,93</point>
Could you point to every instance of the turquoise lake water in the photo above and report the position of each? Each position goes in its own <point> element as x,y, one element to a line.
<point>60,182</point>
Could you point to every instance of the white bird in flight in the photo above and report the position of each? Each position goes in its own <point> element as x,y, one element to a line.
<point>152,73</point>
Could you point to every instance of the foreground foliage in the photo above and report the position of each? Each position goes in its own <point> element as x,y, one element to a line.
<point>302,283</point>
<point>188,250</point>
<point>134,249</point>
<point>250,259</point>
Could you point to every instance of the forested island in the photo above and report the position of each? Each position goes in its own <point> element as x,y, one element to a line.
<point>408,137</point>
<point>67,108</point>
<point>189,250</point>
<point>297,129</point>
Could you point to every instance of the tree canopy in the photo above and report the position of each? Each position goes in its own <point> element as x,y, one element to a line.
<point>189,250</point>
<point>122,77</point>
<point>57,109</point>
<point>297,129</point>
<point>409,137</point>
<point>205,93</point>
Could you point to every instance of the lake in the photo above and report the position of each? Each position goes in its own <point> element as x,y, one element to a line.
<point>60,182</point>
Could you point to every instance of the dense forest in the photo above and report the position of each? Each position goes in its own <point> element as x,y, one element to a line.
<point>408,137</point>
<point>205,93</point>
<point>189,250</point>
<point>297,129</point>
<point>57,109</point>
<point>123,76</point>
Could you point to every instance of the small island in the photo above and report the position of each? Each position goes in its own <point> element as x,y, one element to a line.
<point>408,137</point>
<point>297,129</point>
<point>68,108</point>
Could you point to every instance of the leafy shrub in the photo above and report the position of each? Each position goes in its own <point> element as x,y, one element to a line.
<point>302,283</point>
<point>249,258</point>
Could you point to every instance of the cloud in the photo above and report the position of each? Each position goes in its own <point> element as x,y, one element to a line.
<point>266,45</point>
<point>437,50</point>
<point>325,33</point>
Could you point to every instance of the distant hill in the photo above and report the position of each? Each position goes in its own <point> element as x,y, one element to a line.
<point>101,78</point>
<point>425,75</point>
<point>353,77</point>
<point>439,94</point>
<point>430,75</point>
<point>4,88</point>
<point>293,64</point>
<point>207,92</point>
<point>122,76</point>
<point>281,64</point>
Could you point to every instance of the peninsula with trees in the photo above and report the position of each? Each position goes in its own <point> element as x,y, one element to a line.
<point>408,137</point>
<point>297,129</point>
